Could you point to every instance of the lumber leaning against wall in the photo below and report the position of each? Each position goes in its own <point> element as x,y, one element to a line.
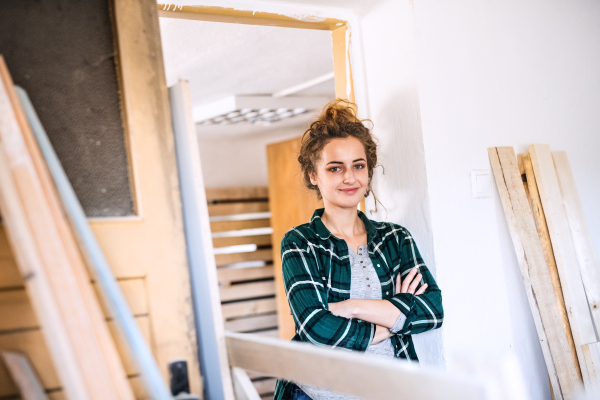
<point>573,290</point>
<point>561,366</point>
<point>55,276</point>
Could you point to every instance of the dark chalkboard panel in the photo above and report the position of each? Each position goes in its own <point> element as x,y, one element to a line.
<point>61,52</point>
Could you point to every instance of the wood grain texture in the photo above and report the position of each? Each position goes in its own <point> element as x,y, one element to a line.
<point>561,367</point>
<point>247,290</point>
<point>229,275</point>
<point>153,245</point>
<point>291,204</point>
<point>531,190</point>
<point>237,208</point>
<point>230,194</point>
<point>252,323</point>
<point>348,372</point>
<point>591,353</point>
<point>589,267</point>
<point>24,376</point>
<point>257,255</point>
<point>244,389</point>
<point>48,257</point>
<point>248,307</point>
<point>259,240</point>
<point>222,226</point>
<point>564,251</point>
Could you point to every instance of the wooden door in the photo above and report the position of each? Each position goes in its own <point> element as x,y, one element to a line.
<point>291,204</point>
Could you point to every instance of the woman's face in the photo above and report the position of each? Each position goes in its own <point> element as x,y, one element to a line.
<point>341,173</point>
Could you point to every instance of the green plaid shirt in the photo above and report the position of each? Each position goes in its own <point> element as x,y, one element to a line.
<point>316,271</point>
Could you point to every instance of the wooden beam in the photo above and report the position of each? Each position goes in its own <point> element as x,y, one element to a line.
<point>247,290</point>
<point>237,16</point>
<point>561,367</point>
<point>591,352</point>
<point>244,389</point>
<point>589,267</point>
<point>564,251</point>
<point>531,190</point>
<point>352,373</point>
<point>249,307</point>
<point>237,193</point>
<point>237,208</point>
<point>24,376</point>
<point>48,257</point>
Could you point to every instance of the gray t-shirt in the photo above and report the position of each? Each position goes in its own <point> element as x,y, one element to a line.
<point>364,284</point>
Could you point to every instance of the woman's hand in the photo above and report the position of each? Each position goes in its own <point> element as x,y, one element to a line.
<point>409,285</point>
<point>343,308</point>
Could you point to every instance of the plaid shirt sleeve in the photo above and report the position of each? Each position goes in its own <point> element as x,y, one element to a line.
<point>306,294</point>
<point>423,312</point>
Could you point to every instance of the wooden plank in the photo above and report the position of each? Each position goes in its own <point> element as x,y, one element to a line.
<point>237,193</point>
<point>203,277</point>
<point>591,352</point>
<point>259,240</point>
<point>536,278</point>
<point>247,291</point>
<point>48,256</point>
<point>564,251</point>
<point>274,333</point>
<point>264,386</point>
<point>254,323</point>
<point>33,344</point>
<point>531,191</point>
<point>24,376</point>
<point>228,275</point>
<point>223,226</point>
<point>106,286</point>
<point>134,381</point>
<point>589,266</point>
<point>359,375</point>
<point>249,307</point>
<point>237,208</point>
<point>244,389</point>
<point>258,255</point>
<point>17,312</point>
<point>291,204</point>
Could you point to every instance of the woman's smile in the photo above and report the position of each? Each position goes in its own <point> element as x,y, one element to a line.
<point>350,190</point>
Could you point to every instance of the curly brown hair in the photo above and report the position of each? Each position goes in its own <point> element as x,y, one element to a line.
<point>337,120</point>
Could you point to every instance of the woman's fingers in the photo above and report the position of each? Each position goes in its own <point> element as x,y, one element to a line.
<point>408,280</point>
<point>421,290</point>
<point>414,284</point>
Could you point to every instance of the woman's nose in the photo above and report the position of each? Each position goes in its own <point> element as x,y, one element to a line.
<point>349,176</point>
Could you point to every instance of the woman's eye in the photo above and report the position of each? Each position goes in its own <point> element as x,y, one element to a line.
<point>334,169</point>
<point>360,166</point>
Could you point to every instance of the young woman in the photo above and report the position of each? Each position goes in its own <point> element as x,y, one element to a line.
<point>350,281</point>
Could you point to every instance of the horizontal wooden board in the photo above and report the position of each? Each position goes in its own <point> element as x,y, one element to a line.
<point>249,324</point>
<point>224,226</point>
<point>259,240</point>
<point>10,277</point>
<point>32,344</point>
<point>134,381</point>
<point>236,193</point>
<point>270,333</point>
<point>247,291</point>
<point>249,307</point>
<point>228,275</point>
<point>264,386</point>
<point>16,311</point>
<point>258,255</point>
<point>237,208</point>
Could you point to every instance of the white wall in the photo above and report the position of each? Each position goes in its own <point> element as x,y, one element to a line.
<point>240,161</point>
<point>505,73</point>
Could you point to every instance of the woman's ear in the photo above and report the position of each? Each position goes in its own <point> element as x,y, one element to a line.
<point>313,179</point>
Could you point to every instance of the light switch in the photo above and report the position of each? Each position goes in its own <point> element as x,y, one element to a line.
<point>481,184</point>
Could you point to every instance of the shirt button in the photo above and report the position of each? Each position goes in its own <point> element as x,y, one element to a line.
<point>367,278</point>
<point>368,285</point>
<point>361,262</point>
<point>387,292</point>
<point>378,265</point>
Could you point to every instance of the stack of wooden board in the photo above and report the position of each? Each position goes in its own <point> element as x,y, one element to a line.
<point>557,260</point>
<point>241,229</point>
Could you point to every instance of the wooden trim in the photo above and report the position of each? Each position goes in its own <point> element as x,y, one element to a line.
<point>253,323</point>
<point>591,353</point>
<point>237,208</point>
<point>259,240</point>
<point>359,375</point>
<point>589,267</point>
<point>258,255</point>
<point>236,16</point>
<point>561,367</point>
<point>50,262</point>
<point>564,251</point>
<point>249,307</point>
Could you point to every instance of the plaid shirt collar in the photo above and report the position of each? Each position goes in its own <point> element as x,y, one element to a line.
<point>317,225</point>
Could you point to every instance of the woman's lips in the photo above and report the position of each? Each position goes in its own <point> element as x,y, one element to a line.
<point>350,191</point>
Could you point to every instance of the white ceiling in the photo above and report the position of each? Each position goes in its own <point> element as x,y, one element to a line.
<point>221,60</point>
